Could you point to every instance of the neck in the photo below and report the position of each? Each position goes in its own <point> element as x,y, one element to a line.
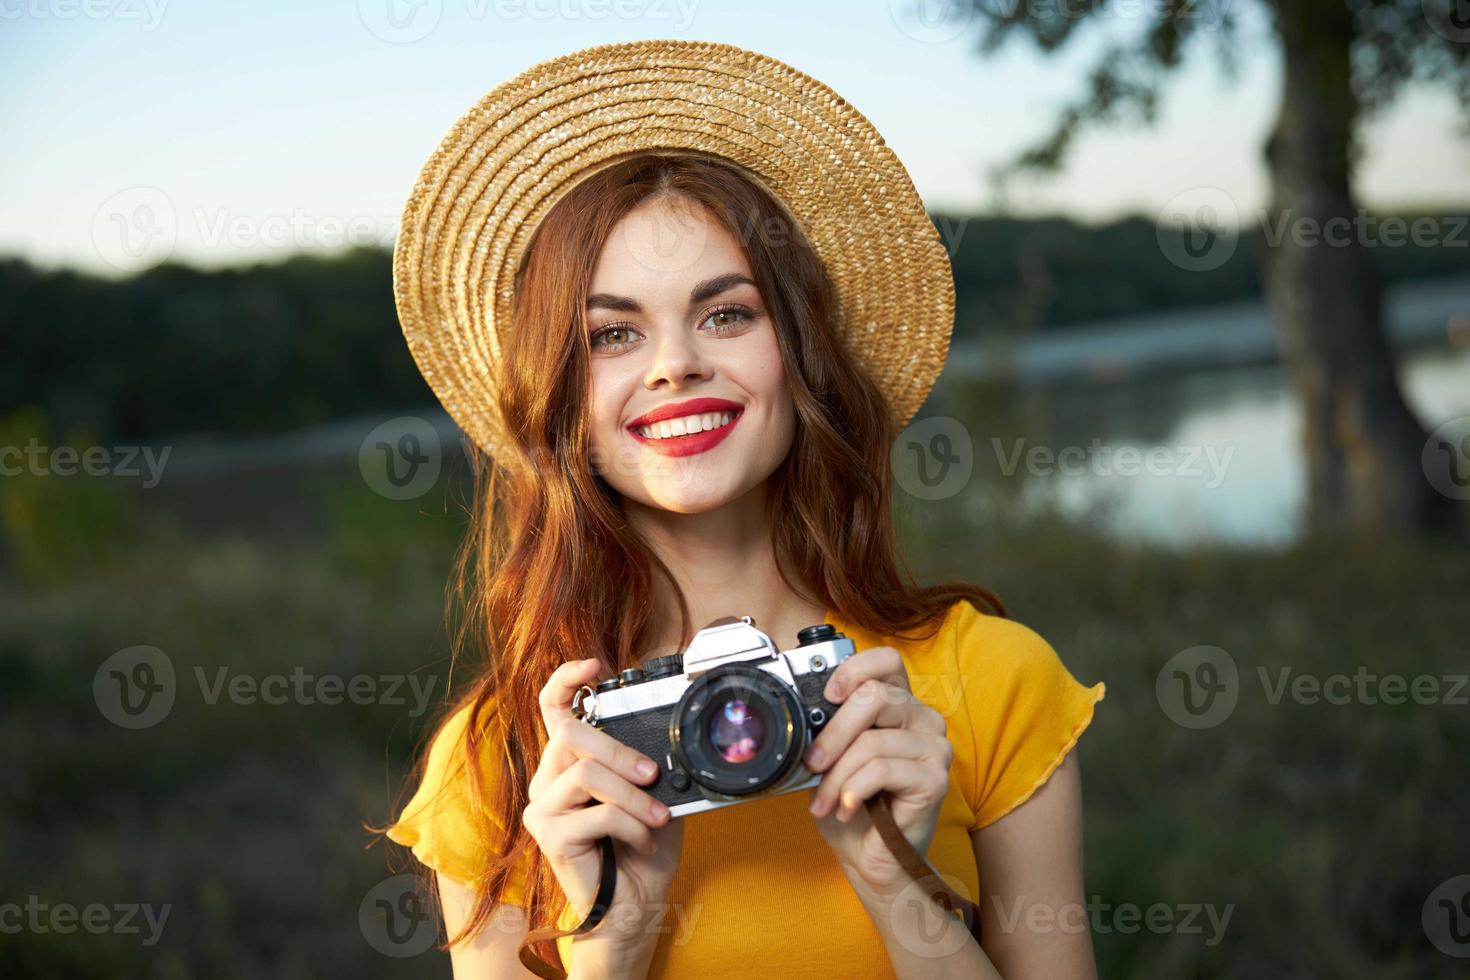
<point>725,562</point>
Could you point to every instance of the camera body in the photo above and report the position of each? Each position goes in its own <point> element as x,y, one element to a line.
<point>727,720</point>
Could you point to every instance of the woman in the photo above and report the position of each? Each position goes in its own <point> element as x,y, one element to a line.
<point>682,298</point>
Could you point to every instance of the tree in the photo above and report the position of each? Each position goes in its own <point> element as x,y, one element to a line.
<point>1343,60</point>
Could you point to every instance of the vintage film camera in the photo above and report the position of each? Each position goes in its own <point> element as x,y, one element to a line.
<point>728,719</point>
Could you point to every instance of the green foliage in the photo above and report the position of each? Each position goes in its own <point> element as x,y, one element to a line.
<point>55,525</point>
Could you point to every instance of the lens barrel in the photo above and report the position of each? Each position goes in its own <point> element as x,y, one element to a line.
<point>736,730</point>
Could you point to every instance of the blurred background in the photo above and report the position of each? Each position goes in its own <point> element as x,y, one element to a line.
<point>1205,426</point>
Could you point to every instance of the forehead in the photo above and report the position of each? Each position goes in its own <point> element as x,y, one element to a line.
<point>665,242</point>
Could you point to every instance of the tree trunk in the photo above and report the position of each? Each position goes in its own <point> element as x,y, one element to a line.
<point>1361,441</point>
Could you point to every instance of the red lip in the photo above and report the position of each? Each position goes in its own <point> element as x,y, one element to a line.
<point>694,406</point>
<point>688,445</point>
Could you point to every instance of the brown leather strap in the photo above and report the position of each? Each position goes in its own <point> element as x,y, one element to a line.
<point>915,866</point>
<point>606,885</point>
<point>920,870</point>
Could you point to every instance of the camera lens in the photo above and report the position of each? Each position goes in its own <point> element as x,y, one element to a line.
<point>737,730</point>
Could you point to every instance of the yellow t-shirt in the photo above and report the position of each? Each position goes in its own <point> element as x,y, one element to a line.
<point>757,885</point>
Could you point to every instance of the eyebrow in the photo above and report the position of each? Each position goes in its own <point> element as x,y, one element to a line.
<point>700,293</point>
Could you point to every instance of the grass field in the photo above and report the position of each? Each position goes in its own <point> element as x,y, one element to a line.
<point>1319,829</point>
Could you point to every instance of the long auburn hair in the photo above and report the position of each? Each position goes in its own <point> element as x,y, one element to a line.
<point>549,569</point>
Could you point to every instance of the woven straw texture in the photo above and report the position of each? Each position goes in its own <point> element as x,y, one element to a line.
<point>505,162</point>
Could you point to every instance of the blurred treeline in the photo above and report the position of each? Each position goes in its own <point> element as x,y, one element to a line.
<point>270,347</point>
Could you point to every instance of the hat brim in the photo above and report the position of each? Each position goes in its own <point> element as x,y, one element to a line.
<point>510,158</point>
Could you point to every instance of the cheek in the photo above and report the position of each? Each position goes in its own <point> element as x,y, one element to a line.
<point>758,366</point>
<point>608,391</point>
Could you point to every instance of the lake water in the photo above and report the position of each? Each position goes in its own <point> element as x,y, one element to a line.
<point>1226,445</point>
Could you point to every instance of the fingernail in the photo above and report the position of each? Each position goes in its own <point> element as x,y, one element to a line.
<point>833,691</point>
<point>819,807</point>
<point>646,768</point>
<point>815,757</point>
<point>660,811</point>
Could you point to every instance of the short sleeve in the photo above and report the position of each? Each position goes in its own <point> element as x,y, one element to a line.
<point>440,822</point>
<point>1025,708</point>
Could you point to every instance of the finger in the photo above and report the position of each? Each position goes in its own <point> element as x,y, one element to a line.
<point>563,684</point>
<point>874,663</point>
<point>904,778</point>
<point>568,835</point>
<point>572,740</point>
<point>893,743</point>
<point>587,780</point>
<point>874,704</point>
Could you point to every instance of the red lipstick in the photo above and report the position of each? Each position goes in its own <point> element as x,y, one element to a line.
<point>689,445</point>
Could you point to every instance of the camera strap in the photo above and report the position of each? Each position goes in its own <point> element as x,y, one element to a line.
<point>600,904</point>
<point>922,873</point>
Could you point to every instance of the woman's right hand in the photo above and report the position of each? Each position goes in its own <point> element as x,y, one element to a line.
<point>586,787</point>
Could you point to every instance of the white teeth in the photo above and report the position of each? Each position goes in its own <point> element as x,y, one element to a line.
<point>685,425</point>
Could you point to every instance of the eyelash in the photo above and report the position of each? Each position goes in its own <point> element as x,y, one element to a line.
<point>746,313</point>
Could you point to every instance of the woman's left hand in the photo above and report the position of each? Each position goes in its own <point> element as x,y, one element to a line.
<point>881,739</point>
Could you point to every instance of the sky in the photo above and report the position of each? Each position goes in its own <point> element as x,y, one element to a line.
<point>217,133</point>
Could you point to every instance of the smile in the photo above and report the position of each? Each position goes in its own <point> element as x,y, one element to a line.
<point>687,435</point>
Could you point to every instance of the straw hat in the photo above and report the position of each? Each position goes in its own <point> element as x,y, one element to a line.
<point>501,167</point>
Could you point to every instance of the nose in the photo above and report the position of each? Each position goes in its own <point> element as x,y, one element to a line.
<point>676,361</point>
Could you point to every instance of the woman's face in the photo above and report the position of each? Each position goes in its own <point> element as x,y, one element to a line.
<point>674,316</point>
